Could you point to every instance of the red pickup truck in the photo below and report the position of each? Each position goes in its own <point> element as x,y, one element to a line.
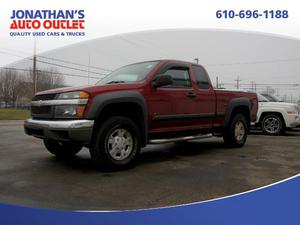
<point>148,102</point>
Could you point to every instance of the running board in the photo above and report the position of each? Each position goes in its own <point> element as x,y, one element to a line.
<point>186,138</point>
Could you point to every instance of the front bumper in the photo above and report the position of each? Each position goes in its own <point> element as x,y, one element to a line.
<point>293,120</point>
<point>61,130</point>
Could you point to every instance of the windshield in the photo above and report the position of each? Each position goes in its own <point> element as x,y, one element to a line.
<point>271,98</point>
<point>129,74</point>
<point>261,98</point>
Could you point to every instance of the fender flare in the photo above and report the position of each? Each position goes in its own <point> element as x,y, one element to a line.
<point>234,103</point>
<point>102,100</point>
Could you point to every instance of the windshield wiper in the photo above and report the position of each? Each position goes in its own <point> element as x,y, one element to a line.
<point>115,82</point>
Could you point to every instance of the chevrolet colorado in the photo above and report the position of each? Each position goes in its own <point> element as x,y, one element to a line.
<point>149,102</point>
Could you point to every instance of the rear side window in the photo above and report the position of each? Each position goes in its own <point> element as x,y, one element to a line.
<point>181,77</point>
<point>201,78</point>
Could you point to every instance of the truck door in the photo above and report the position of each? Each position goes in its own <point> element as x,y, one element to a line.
<point>205,97</point>
<point>173,107</point>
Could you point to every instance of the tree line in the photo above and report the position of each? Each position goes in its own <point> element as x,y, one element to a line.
<point>17,87</point>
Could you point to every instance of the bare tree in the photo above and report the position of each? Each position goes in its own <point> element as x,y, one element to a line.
<point>15,85</point>
<point>46,79</point>
<point>49,79</point>
<point>9,86</point>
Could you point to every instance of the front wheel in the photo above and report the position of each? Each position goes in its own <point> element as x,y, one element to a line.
<point>235,135</point>
<point>62,149</point>
<point>116,143</point>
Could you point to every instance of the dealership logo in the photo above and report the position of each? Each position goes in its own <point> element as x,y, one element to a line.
<point>47,23</point>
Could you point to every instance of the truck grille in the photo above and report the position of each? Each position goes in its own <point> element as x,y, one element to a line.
<point>44,97</point>
<point>42,112</point>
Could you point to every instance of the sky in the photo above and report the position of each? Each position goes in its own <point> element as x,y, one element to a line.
<point>121,32</point>
<point>250,56</point>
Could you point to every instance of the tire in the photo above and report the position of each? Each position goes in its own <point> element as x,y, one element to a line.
<point>272,124</point>
<point>116,145</point>
<point>235,135</point>
<point>62,149</point>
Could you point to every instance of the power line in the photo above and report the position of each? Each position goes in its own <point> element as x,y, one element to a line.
<point>45,71</point>
<point>63,61</point>
<point>68,67</point>
<point>150,44</point>
<point>255,62</point>
<point>266,84</point>
<point>77,64</point>
<point>54,64</point>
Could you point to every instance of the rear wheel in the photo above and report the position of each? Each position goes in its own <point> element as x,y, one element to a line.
<point>236,133</point>
<point>116,143</point>
<point>62,149</point>
<point>272,124</point>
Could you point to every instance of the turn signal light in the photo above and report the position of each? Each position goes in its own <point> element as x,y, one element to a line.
<point>80,110</point>
<point>83,95</point>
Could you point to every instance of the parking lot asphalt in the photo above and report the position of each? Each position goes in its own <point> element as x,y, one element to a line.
<point>165,175</point>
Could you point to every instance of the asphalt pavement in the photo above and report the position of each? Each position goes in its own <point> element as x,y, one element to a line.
<point>165,175</point>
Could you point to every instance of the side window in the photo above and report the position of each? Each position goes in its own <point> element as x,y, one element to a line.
<point>201,77</point>
<point>181,77</point>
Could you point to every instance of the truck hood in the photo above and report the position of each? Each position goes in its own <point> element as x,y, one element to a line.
<point>278,104</point>
<point>62,90</point>
<point>94,89</point>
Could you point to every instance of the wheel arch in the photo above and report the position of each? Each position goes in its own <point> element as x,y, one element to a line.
<point>265,113</point>
<point>130,104</point>
<point>238,105</point>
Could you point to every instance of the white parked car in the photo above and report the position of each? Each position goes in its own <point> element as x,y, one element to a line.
<point>274,117</point>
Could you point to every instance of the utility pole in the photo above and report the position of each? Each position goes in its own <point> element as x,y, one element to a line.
<point>217,82</point>
<point>34,68</point>
<point>196,60</point>
<point>238,82</point>
<point>253,86</point>
<point>89,55</point>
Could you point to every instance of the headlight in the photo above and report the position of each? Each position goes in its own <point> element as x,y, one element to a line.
<point>71,110</point>
<point>73,95</point>
<point>65,111</point>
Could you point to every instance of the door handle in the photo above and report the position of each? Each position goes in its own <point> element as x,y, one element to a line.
<point>191,94</point>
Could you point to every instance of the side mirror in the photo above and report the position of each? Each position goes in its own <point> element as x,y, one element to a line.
<point>162,80</point>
